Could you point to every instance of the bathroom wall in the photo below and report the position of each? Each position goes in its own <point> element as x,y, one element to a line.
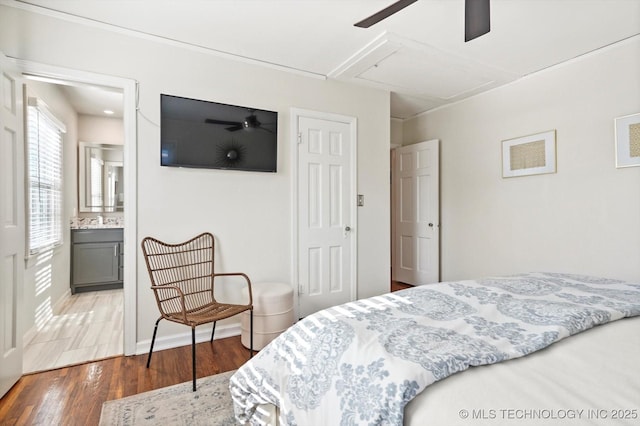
<point>46,275</point>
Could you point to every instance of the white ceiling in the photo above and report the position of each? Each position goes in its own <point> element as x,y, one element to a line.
<point>418,54</point>
<point>92,100</point>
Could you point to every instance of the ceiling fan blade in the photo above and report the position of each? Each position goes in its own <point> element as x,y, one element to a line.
<point>235,128</point>
<point>384,13</point>
<point>477,19</point>
<point>223,122</point>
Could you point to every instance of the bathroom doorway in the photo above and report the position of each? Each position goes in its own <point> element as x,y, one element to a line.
<point>56,322</point>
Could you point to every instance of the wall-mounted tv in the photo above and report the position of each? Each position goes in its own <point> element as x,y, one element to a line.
<point>204,134</point>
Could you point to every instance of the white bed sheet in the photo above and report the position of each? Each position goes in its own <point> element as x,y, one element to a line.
<point>587,379</point>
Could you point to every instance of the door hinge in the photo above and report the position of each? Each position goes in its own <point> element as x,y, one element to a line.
<point>299,138</point>
<point>300,289</point>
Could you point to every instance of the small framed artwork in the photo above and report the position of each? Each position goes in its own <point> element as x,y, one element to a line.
<point>529,155</point>
<point>627,140</point>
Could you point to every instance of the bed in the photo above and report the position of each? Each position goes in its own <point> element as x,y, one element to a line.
<point>537,348</point>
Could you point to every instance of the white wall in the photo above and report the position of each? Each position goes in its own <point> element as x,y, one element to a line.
<point>397,131</point>
<point>47,275</point>
<point>583,219</point>
<point>94,129</point>
<point>248,212</point>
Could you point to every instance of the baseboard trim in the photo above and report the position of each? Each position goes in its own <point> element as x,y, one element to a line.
<point>183,339</point>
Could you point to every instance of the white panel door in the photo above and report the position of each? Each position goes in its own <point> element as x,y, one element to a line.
<point>415,181</point>
<point>325,203</point>
<point>12,231</point>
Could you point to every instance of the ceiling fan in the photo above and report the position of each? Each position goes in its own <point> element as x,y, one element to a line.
<point>476,17</point>
<point>249,123</point>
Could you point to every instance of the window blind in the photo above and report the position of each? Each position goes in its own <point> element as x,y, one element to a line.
<point>44,164</point>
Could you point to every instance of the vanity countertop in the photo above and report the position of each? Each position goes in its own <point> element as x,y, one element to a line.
<point>96,223</point>
<point>98,226</point>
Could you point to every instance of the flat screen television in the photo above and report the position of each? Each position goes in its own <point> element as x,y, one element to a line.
<point>204,134</point>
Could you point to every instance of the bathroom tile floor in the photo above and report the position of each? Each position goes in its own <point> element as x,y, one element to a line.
<point>88,327</point>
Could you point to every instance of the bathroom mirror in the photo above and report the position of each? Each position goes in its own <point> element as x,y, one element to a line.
<point>100,177</point>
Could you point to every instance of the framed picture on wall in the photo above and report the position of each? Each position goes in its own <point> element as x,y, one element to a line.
<point>627,135</point>
<point>529,155</point>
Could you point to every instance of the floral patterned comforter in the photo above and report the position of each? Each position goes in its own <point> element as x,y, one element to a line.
<point>362,362</point>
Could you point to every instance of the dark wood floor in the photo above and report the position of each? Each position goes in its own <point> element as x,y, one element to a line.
<point>74,395</point>
<point>397,285</point>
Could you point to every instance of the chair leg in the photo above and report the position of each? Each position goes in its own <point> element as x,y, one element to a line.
<point>153,339</point>
<point>213,331</point>
<point>193,355</point>
<point>251,333</point>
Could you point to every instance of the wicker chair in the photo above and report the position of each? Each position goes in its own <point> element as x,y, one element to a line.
<point>182,279</point>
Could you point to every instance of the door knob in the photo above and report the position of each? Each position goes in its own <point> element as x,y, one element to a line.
<point>347,228</point>
<point>430,225</point>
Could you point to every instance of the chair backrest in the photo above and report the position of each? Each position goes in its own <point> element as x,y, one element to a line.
<point>188,266</point>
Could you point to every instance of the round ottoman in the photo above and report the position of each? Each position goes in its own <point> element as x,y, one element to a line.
<point>272,313</point>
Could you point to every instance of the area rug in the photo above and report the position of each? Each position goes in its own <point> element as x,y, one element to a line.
<point>210,404</point>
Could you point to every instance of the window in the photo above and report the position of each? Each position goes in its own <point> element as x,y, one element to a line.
<point>96,181</point>
<point>44,185</point>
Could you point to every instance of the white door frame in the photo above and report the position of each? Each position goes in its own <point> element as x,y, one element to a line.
<point>130,177</point>
<point>296,113</point>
